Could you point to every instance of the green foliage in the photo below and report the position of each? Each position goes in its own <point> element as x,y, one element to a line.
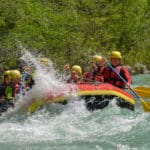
<point>70,31</point>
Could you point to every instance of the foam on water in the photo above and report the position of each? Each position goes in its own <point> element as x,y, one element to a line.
<point>72,125</point>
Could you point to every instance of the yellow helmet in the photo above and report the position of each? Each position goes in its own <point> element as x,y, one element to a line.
<point>7,73</point>
<point>77,69</point>
<point>115,54</point>
<point>45,61</point>
<point>97,58</point>
<point>15,74</point>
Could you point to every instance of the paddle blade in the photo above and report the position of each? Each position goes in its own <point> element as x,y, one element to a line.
<point>143,92</point>
<point>143,88</point>
<point>146,105</point>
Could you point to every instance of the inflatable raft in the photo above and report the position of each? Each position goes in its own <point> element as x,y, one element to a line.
<point>96,96</point>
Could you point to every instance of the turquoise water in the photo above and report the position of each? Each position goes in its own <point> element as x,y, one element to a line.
<point>72,127</point>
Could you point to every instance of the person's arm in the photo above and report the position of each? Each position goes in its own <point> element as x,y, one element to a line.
<point>127,76</point>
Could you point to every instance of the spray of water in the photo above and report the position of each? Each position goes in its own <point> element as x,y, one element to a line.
<point>47,82</point>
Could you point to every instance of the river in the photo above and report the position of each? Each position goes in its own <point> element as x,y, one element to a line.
<point>73,127</point>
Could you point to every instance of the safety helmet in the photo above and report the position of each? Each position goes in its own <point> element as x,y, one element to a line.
<point>7,73</point>
<point>77,69</point>
<point>15,74</point>
<point>45,61</point>
<point>96,58</point>
<point>115,54</point>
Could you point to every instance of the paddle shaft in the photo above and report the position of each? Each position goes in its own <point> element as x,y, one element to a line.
<point>122,79</point>
<point>22,82</point>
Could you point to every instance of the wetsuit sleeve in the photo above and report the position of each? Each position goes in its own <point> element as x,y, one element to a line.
<point>84,76</point>
<point>126,75</point>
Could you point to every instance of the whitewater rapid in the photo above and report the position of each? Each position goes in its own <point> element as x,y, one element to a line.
<point>72,126</point>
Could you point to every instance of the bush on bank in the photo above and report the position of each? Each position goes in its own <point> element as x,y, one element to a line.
<point>70,31</point>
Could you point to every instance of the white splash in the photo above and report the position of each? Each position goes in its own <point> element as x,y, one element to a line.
<point>47,82</point>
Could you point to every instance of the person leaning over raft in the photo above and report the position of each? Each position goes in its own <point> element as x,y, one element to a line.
<point>7,89</point>
<point>109,76</point>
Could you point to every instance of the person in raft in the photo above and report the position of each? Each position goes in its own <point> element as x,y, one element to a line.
<point>7,93</point>
<point>76,74</point>
<point>96,65</point>
<point>26,72</point>
<point>107,75</point>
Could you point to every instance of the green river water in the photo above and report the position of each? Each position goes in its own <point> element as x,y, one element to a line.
<point>73,127</point>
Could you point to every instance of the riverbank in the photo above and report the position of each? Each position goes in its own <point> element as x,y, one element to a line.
<point>138,69</point>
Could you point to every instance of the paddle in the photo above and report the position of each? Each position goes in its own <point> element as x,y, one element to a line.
<point>22,83</point>
<point>142,88</point>
<point>146,105</point>
<point>143,91</point>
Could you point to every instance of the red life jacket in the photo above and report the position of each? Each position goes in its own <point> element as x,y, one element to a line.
<point>93,74</point>
<point>87,76</point>
<point>111,77</point>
